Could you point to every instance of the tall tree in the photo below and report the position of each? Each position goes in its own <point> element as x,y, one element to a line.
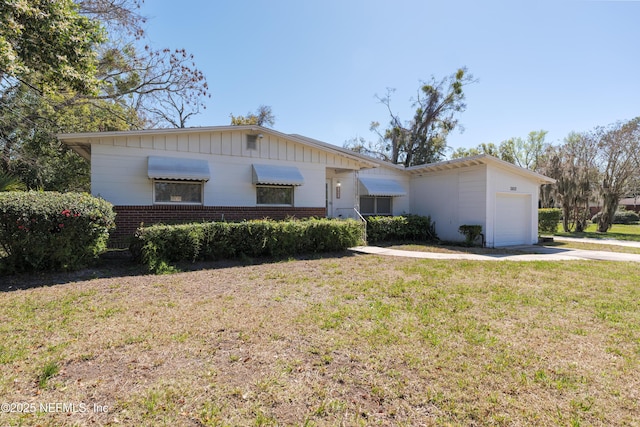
<point>573,166</point>
<point>133,86</point>
<point>50,39</point>
<point>527,152</point>
<point>617,151</point>
<point>263,116</point>
<point>423,139</point>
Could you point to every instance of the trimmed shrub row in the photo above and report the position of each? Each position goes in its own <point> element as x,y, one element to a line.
<point>158,245</point>
<point>52,231</point>
<point>548,219</point>
<point>396,228</point>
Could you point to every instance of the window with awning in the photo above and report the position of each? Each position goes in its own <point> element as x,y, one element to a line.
<point>380,187</point>
<point>177,180</point>
<point>171,168</point>
<point>276,175</point>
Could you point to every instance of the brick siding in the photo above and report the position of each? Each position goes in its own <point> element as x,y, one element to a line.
<point>129,218</point>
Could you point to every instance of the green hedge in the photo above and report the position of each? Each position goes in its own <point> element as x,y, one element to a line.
<point>52,231</point>
<point>548,219</point>
<point>160,245</point>
<point>400,228</point>
<point>622,216</point>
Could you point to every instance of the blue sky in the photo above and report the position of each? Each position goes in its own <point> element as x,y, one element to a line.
<point>561,66</point>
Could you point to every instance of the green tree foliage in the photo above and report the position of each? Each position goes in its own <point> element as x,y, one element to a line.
<point>484,148</point>
<point>50,39</point>
<point>526,153</point>
<point>28,146</point>
<point>134,86</point>
<point>423,139</point>
<point>263,116</point>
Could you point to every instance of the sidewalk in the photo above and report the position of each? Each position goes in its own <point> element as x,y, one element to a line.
<point>598,241</point>
<point>534,253</point>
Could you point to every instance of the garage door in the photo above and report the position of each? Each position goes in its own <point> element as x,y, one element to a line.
<point>513,220</point>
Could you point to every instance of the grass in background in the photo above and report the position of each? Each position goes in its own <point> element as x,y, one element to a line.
<point>358,340</point>
<point>617,231</point>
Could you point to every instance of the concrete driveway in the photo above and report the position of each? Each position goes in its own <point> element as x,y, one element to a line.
<point>531,253</point>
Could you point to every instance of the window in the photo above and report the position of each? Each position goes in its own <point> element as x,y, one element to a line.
<point>178,192</point>
<point>274,195</point>
<point>252,142</point>
<point>375,205</point>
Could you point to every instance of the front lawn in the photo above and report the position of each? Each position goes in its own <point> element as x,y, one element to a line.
<point>617,231</point>
<point>352,340</point>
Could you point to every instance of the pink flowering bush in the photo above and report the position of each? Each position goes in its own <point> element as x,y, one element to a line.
<point>52,231</point>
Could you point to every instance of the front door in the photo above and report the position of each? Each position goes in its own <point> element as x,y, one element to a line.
<point>328,198</point>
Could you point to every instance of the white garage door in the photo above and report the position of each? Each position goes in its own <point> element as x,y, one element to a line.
<point>513,220</point>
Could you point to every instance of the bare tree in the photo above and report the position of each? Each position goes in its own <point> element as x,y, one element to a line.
<point>369,148</point>
<point>164,86</point>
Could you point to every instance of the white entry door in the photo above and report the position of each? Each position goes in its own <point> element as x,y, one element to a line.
<point>328,189</point>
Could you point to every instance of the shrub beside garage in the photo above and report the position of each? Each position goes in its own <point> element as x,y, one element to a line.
<point>52,231</point>
<point>548,219</point>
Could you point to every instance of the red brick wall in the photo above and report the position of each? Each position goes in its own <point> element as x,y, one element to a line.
<point>129,218</point>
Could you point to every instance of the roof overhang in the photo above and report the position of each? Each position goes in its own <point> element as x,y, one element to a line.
<point>482,159</point>
<point>178,169</point>
<point>374,186</point>
<point>276,175</point>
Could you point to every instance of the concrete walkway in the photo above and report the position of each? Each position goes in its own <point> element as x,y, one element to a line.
<point>613,242</point>
<point>532,252</point>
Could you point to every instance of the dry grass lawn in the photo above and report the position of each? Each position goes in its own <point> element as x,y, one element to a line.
<point>348,340</point>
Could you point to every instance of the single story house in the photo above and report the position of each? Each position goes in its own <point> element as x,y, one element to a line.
<point>248,172</point>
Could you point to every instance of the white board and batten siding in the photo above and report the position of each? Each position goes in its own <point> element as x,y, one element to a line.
<point>472,197</point>
<point>452,198</point>
<point>119,166</point>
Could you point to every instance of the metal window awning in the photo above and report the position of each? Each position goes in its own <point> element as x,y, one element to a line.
<point>277,175</point>
<point>178,169</point>
<point>370,186</point>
